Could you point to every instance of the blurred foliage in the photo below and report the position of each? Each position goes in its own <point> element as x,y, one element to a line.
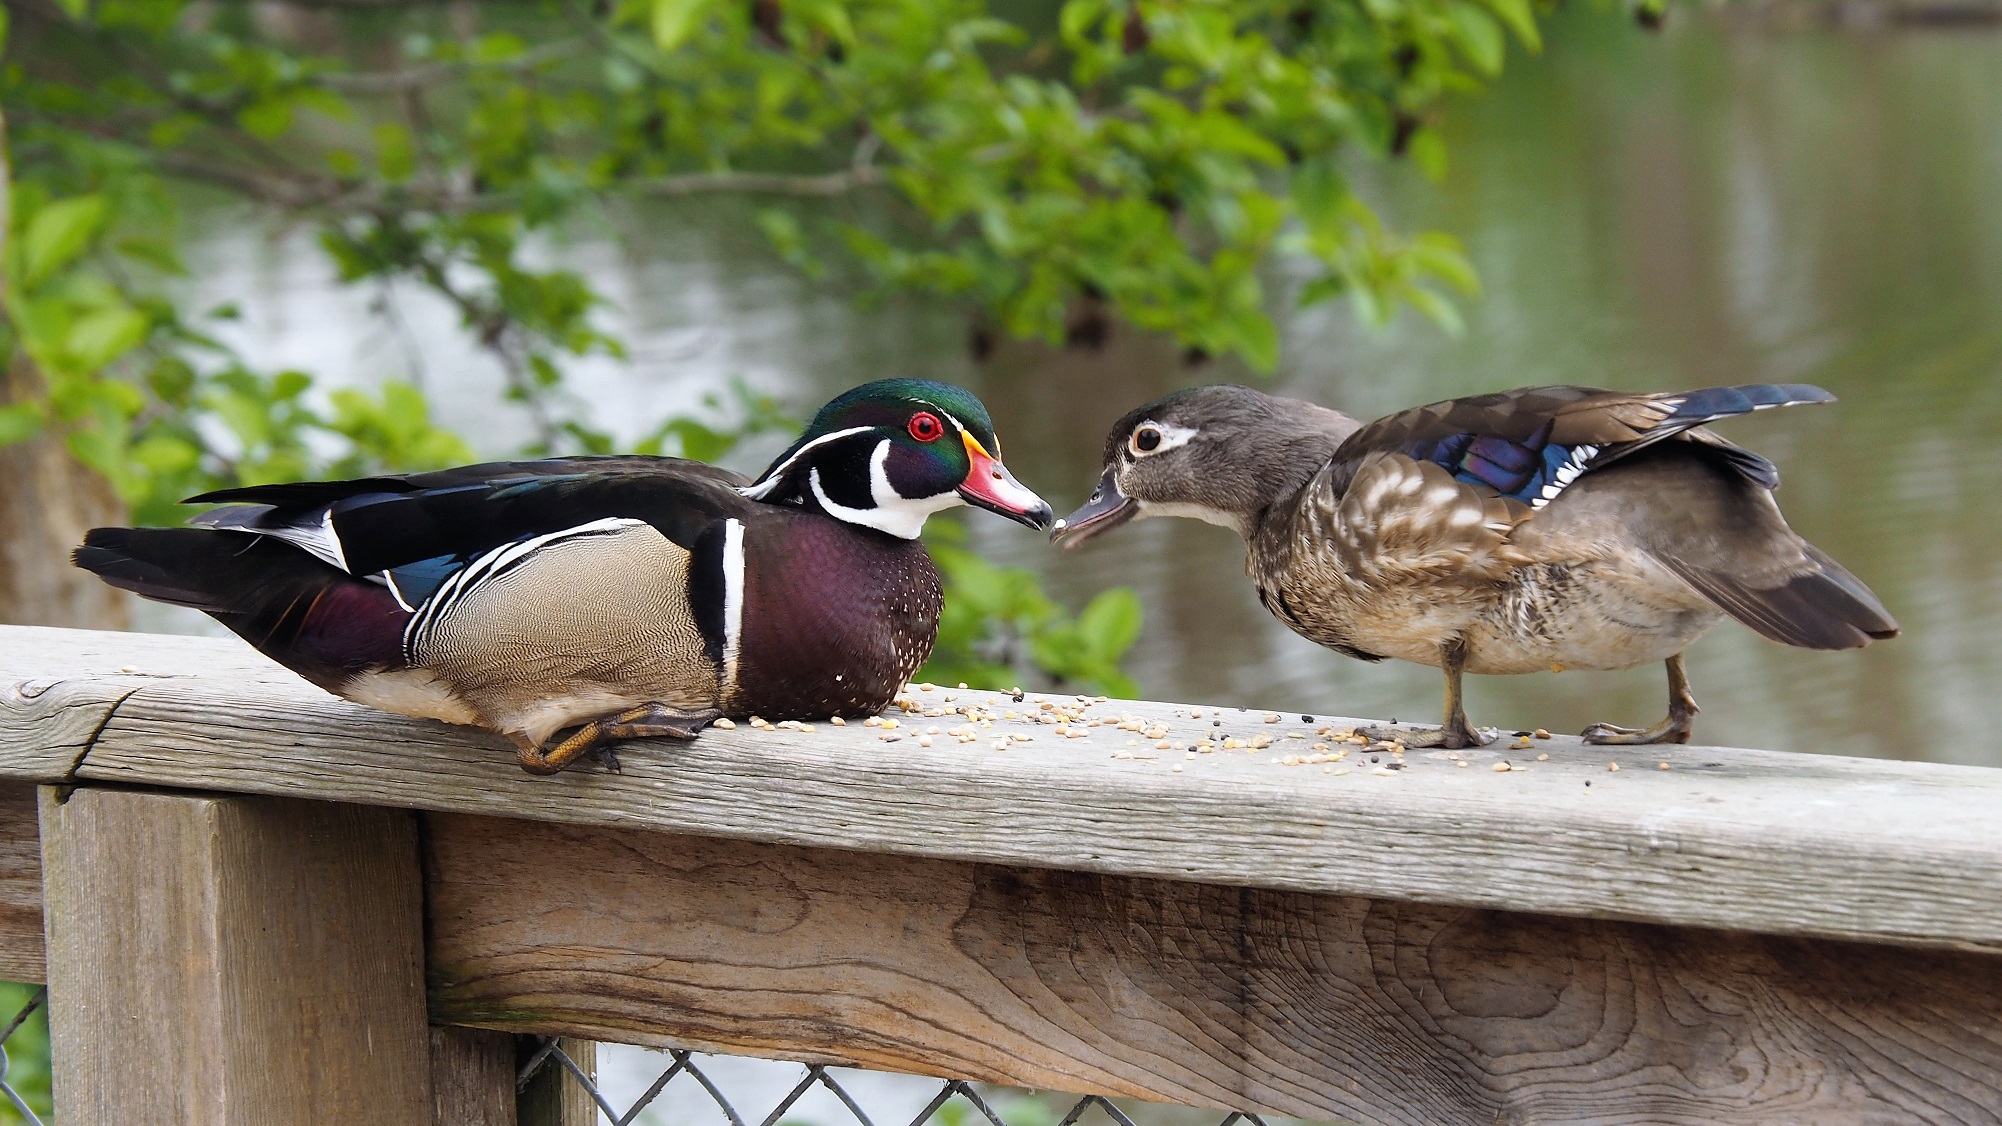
<point>1150,157</point>
<point>999,626</point>
<point>26,1052</point>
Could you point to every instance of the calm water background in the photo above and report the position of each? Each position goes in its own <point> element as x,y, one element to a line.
<point>1707,206</point>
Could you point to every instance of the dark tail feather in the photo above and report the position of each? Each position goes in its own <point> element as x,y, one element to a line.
<point>314,619</point>
<point>1713,403</point>
<point>1825,609</point>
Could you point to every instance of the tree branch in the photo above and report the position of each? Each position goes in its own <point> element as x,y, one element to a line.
<point>396,81</point>
<point>763,183</point>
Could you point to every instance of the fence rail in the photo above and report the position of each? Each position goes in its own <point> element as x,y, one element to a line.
<point>1213,907</point>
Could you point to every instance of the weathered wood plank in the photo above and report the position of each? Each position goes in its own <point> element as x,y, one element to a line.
<point>553,1096</point>
<point>1245,1000</point>
<point>472,1077</point>
<point>20,886</point>
<point>228,961</point>
<point>1753,840</point>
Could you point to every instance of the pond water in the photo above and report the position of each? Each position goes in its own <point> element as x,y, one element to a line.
<point>1711,205</point>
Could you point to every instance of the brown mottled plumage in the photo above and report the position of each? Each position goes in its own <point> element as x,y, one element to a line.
<point>1543,528</point>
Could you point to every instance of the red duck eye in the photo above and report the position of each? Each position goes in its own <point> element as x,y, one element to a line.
<point>926,427</point>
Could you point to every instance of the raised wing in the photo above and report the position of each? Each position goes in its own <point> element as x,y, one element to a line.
<point>1529,444</point>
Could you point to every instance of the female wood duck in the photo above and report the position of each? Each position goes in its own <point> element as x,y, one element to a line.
<point>636,596</point>
<point>1541,528</point>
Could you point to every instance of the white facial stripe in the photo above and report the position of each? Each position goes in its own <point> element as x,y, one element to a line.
<point>733,600</point>
<point>764,488</point>
<point>1172,437</point>
<point>894,513</point>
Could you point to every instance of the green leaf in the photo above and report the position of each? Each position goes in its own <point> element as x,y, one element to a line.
<point>1441,256</point>
<point>1428,151</point>
<point>1111,622</point>
<point>56,235</point>
<point>394,153</point>
<point>19,422</point>
<point>1520,19</point>
<point>1480,37</point>
<point>99,337</point>
<point>267,118</point>
<point>674,20</point>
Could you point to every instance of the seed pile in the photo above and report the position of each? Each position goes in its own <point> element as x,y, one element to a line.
<point>932,715</point>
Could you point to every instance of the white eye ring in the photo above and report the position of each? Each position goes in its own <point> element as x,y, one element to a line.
<point>1150,438</point>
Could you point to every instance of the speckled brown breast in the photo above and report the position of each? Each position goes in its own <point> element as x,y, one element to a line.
<point>836,619</point>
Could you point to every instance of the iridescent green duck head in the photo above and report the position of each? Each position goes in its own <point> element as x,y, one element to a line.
<point>888,454</point>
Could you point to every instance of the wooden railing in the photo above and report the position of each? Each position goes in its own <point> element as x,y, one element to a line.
<point>265,905</point>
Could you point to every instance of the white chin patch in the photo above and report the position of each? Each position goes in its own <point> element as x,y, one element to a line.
<point>1188,511</point>
<point>895,514</point>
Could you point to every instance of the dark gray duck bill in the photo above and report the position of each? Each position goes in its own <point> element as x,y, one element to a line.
<point>1107,509</point>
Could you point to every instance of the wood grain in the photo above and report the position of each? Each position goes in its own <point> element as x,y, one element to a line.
<point>553,1096</point>
<point>20,886</point>
<point>472,1077</point>
<point>227,961</point>
<point>1236,999</point>
<point>1778,843</point>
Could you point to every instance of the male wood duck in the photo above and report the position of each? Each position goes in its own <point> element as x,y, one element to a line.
<point>1541,528</point>
<point>634,596</point>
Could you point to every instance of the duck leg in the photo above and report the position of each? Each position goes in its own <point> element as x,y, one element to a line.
<point>1455,733</point>
<point>1675,728</point>
<point>648,721</point>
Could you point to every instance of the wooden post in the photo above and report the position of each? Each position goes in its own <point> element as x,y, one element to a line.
<point>20,886</point>
<point>472,1077</point>
<point>554,1097</point>
<point>227,961</point>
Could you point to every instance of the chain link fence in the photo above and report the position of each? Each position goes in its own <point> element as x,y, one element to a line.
<point>24,1055</point>
<point>641,1087</point>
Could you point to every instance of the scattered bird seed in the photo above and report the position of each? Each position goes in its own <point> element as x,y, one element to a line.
<point>1664,766</point>
<point>924,740</point>
<point>1540,733</point>
<point>1612,766</point>
<point>1461,765</point>
<point>838,721</point>
<point>1543,758</point>
<point>1306,719</point>
<point>1503,768</point>
<point>1177,768</point>
<point>726,723</point>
